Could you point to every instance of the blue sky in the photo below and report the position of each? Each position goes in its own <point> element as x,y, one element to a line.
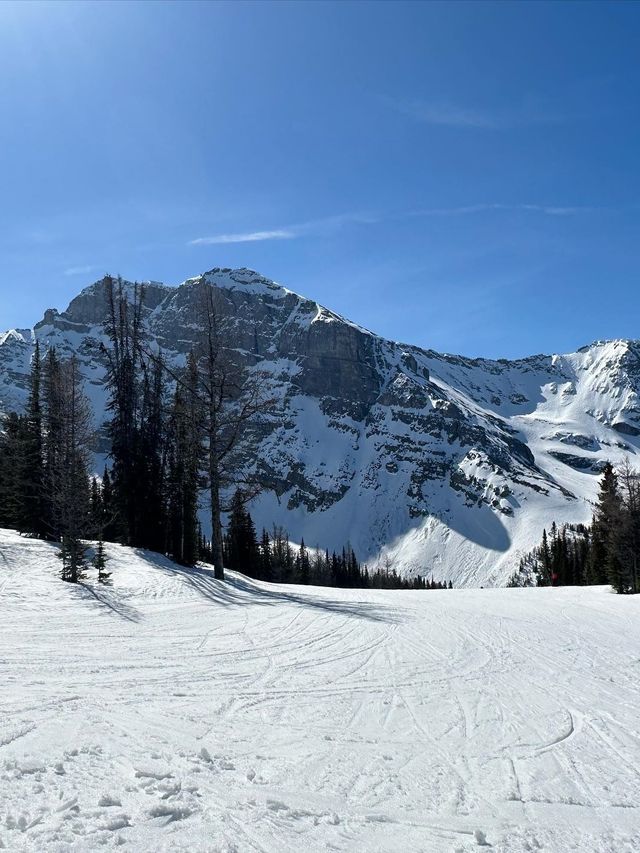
<point>460,176</point>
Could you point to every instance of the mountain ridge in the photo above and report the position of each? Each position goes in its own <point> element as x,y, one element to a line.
<point>430,462</point>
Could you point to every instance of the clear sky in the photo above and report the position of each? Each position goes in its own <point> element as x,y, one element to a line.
<point>460,176</point>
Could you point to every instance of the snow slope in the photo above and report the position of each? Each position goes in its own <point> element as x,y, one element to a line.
<point>172,712</point>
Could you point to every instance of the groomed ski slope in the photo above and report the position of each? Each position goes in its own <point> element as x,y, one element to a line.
<point>172,712</point>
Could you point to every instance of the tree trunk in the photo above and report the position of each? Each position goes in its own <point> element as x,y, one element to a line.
<point>216,522</point>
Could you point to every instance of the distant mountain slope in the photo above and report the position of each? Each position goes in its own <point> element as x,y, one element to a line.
<point>433,462</point>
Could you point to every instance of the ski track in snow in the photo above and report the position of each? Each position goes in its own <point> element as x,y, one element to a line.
<point>172,712</point>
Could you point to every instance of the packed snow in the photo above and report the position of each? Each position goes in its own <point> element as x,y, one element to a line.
<point>174,712</point>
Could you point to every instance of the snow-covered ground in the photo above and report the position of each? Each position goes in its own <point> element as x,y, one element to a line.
<point>172,712</point>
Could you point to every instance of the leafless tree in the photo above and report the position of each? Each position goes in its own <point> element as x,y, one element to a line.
<point>626,536</point>
<point>235,398</point>
<point>70,431</point>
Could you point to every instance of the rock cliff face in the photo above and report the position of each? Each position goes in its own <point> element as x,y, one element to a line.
<point>434,463</point>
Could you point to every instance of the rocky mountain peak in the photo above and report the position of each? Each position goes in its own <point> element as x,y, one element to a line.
<point>437,463</point>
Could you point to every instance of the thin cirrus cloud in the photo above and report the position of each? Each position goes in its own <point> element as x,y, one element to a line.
<point>245,237</point>
<point>333,224</point>
<point>470,209</point>
<point>82,270</point>
<point>457,116</point>
<point>315,227</point>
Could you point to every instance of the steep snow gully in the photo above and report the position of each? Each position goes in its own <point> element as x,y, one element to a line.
<point>172,712</point>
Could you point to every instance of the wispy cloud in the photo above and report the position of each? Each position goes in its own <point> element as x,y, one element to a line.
<point>333,224</point>
<point>447,115</point>
<point>466,210</point>
<point>78,270</point>
<point>453,115</point>
<point>246,237</point>
<point>322,226</point>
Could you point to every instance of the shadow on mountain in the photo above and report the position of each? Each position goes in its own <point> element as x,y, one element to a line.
<point>481,525</point>
<point>238,590</point>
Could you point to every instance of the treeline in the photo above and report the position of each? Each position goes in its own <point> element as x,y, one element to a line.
<point>605,552</point>
<point>273,558</point>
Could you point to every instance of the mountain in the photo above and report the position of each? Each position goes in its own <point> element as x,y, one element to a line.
<point>432,463</point>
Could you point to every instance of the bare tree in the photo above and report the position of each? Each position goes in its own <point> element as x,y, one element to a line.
<point>234,398</point>
<point>626,535</point>
<point>227,397</point>
<point>70,431</point>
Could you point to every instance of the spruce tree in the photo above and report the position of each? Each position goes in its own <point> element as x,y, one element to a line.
<point>243,554</point>
<point>266,563</point>
<point>625,533</point>
<point>12,431</point>
<point>31,512</point>
<point>100,563</point>
<point>184,456</point>
<point>124,329</point>
<point>73,554</point>
<point>108,528</point>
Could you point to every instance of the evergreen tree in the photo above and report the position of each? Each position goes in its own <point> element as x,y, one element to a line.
<point>74,559</point>
<point>31,511</point>
<point>625,533</point>
<point>70,505</point>
<point>243,554</point>
<point>100,563</point>
<point>108,524</point>
<point>96,510</point>
<point>599,566</point>
<point>304,565</point>
<point>12,430</point>
<point>607,551</point>
<point>124,328</point>
<point>544,575</point>
<point>184,454</point>
<point>150,530</point>
<point>265,563</point>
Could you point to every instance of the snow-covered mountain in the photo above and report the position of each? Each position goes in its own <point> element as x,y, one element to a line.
<point>437,463</point>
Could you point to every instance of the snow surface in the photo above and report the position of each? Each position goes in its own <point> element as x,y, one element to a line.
<point>172,712</point>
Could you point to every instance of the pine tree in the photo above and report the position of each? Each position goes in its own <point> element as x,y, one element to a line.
<point>243,554</point>
<point>108,526</point>
<point>150,531</point>
<point>73,554</point>
<point>96,509</point>
<point>184,454</point>
<point>12,430</point>
<point>266,563</point>
<point>31,512</point>
<point>304,566</point>
<point>544,575</point>
<point>124,328</point>
<point>100,563</point>
<point>68,435</point>
<point>605,526</point>
<point>625,533</point>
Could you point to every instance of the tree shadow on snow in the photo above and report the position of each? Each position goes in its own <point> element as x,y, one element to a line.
<point>238,591</point>
<point>108,599</point>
